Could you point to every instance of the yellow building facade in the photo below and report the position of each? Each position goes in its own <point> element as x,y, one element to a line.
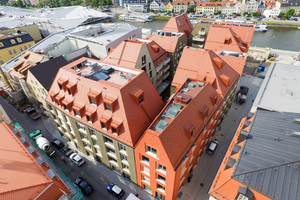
<point>14,44</point>
<point>32,29</point>
<point>169,7</point>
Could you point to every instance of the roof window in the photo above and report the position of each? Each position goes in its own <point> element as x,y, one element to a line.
<point>109,103</point>
<point>78,110</point>
<point>94,97</point>
<point>225,79</point>
<point>203,111</point>
<point>218,62</point>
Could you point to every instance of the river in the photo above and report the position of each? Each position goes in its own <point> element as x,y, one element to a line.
<point>276,37</point>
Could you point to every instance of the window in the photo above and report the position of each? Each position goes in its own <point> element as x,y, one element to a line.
<point>161,168</point>
<point>141,98</point>
<point>149,66</point>
<point>29,45</point>
<point>114,130</point>
<point>144,59</point>
<point>123,157</point>
<point>107,106</point>
<point>60,86</point>
<point>159,196</point>
<point>145,160</point>
<point>148,189</point>
<point>13,41</point>
<point>92,100</point>
<point>25,47</point>
<point>111,151</point>
<point>150,75</point>
<point>77,113</point>
<point>66,107</point>
<point>19,39</point>
<point>125,166</point>
<point>1,62</point>
<point>21,49</point>
<point>151,151</point>
<point>80,126</point>
<point>89,118</point>
<point>146,170</point>
<point>161,179</point>
<point>146,179</point>
<point>109,141</point>
<point>9,51</point>
<point>103,125</point>
<point>122,147</point>
<point>1,44</point>
<point>161,188</point>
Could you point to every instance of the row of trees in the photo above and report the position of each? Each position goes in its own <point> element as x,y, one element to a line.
<point>59,3</point>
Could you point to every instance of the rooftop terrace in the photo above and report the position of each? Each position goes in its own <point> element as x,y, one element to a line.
<point>233,54</point>
<point>100,71</point>
<point>168,33</point>
<point>177,104</point>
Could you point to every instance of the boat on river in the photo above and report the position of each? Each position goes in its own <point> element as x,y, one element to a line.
<point>135,18</point>
<point>261,27</point>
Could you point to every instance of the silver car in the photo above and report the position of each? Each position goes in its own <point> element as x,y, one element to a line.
<point>77,159</point>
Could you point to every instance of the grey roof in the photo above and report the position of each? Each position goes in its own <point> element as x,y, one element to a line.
<point>65,17</point>
<point>280,89</point>
<point>51,67</point>
<point>25,37</point>
<point>270,160</point>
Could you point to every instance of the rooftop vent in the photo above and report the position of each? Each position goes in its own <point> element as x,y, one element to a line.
<point>296,120</point>
<point>296,134</point>
<point>250,115</point>
<point>243,135</point>
<point>15,131</point>
<point>200,84</point>
<point>236,149</point>
<point>172,112</point>
<point>247,123</point>
<point>191,85</point>
<point>185,90</point>
<point>51,174</point>
<point>230,163</point>
<point>244,193</point>
<point>107,69</point>
<point>41,161</point>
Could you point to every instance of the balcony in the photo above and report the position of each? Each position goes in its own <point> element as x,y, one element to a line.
<point>201,33</point>
<point>166,75</point>
<point>158,82</point>
<point>166,61</point>
<point>111,145</point>
<point>159,74</point>
<point>166,68</point>
<point>159,67</point>
<point>198,39</point>
<point>198,45</point>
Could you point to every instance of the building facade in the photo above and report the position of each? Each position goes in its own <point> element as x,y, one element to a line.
<point>180,6</point>
<point>169,7</point>
<point>13,44</point>
<point>96,107</point>
<point>155,6</point>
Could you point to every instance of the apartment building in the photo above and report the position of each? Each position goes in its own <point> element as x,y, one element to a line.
<point>179,24</point>
<point>103,110</point>
<point>201,30</point>
<point>173,43</point>
<point>146,55</point>
<point>206,65</point>
<point>39,82</point>
<point>14,44</point>
<point>26,172</point>
<point>180,6</point>
<point>225,38</point>
<point>170,148</point>
<point>257,165</point>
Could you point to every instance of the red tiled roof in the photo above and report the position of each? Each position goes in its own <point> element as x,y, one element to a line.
<point>168,43</point>
<point>225,38</point>
<point>172,138</point>
<point>202,65</point>
<point>24,178</point>
<point>179,24</point>
<point>175,3</point>
<point>126,109</point>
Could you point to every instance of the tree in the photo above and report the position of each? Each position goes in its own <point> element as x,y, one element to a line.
<point>191,9</point>
<point>181,11</point>
<point>151,10</point>
<point>245,13</point>
<point>20,3</point>
<point>219,12</point>
<point>42,3</point>
<point>289,13</point>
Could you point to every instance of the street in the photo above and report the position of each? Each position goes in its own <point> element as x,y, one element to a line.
<point>68,168</point>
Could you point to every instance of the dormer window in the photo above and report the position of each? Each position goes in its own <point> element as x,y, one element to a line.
<point>94,97</point>
<point>78,110</point>
<point>115,126</point>
<point>67,103</point>
<point>19,39</point>
<point>90,113</point>
<point>107,106</point>
<point>2,45</point>
<point>71,88</point>
<point>109,103</point>
<point>62,83</point>
<point>12,41</point>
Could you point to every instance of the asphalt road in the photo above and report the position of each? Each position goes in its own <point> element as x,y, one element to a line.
<point>68,168</point>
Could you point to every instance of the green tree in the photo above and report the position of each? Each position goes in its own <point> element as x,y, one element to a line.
<point>20,3</point>
<point>191,9</point>
<point>42,3</point>
<point>151,10</point>
<point>219,12</point>
<point>76,2</point>
<point>64,3</point>
<point>181,11</point>
<point>95,3</point>
<point>245,13</point>
<point>109,2</point>
<point>289,13</point>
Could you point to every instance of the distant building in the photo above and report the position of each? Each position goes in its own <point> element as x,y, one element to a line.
<point>163,6</point>
<point>14,44</point>
<point>228,7</point>
<point>155,5</point>
<point>146,55</point>
<point>251,6</point>
<point>27,171</point>
<point>32,30</point>
<point>103,110</point>
<point>180,6</point>
<point>169,7</point>
<point>136,6</point>
<point>256,165</point>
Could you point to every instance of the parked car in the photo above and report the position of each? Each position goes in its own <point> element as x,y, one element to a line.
<point>115,190</point>
<point>57,143</point>
<point>32,113</point>
<point>66,151</point>
<point>84,186</point>
<point>212,147</point>
<point>77,159</point>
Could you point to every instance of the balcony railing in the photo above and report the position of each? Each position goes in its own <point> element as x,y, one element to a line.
<point>166,61</point>
<point>201,33</point>
<point>199,39</point>
<point>166,75</point>
<point>159,74</point>
<point>166,68</point>
<point>197,45</point>
<point>158,67</point>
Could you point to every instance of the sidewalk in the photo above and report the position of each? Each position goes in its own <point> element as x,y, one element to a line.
<point>108,174</point>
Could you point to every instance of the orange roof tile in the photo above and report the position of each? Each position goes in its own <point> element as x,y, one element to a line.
<point>168,43</point>
<point>202,65</point>
<point>225,38</point>
<point>118,90</point>
<point>175,3</point>
<point>24,178</point>
<point>173,134</point>
<point>179,24</point>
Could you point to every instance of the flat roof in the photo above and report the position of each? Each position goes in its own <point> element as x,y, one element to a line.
<point>280,89</point>
<point>96,71</point>
<point>103,33</point>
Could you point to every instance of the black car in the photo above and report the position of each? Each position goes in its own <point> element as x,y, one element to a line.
<point>57,143</point>
<point>86,188</point>
<point>66,151</point>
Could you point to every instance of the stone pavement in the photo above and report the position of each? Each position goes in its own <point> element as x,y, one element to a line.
<point>108,174</point>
